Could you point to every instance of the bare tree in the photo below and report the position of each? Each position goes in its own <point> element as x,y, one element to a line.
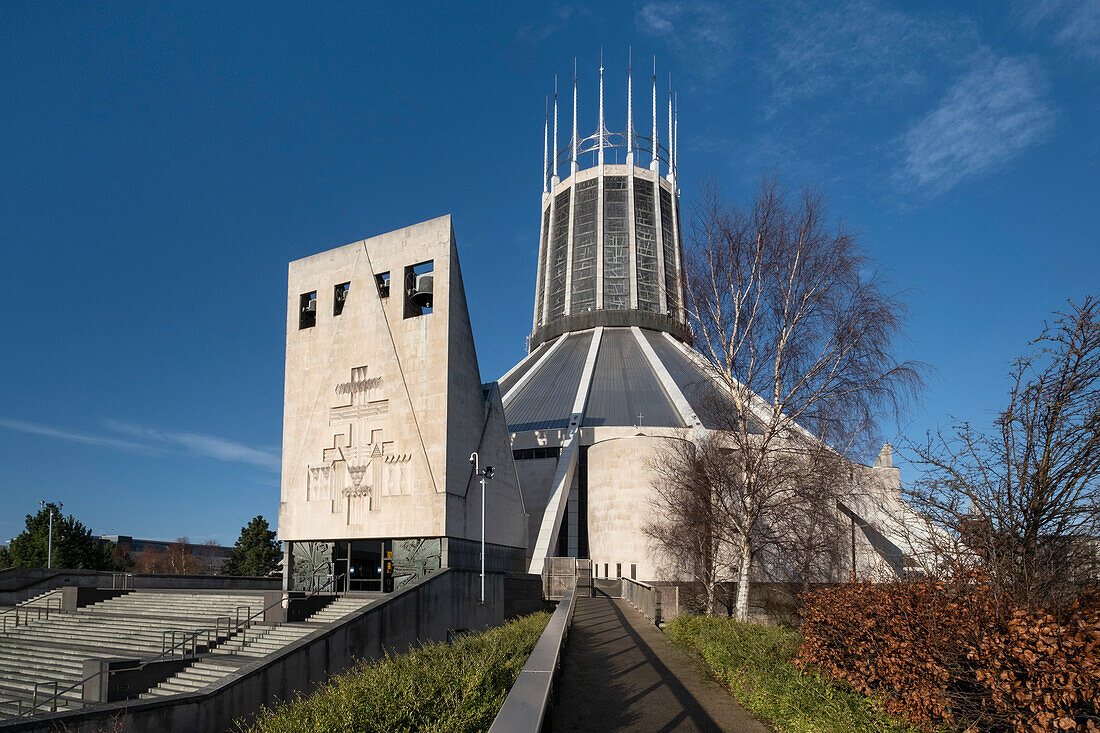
<point>181,559</point>
<point>789,321</point>
<point>704,512</point>
<point>1023,502</point>
<point>686,527</point>
<point>151,560</point>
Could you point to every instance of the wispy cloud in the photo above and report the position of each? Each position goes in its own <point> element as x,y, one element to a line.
<point>702,33</point>
<point>989,116</point>
<point>210,446</point>
<point>523,51</point>
<point>61,434</point>
<point>148,440</point>
<point>1074,24</point>
<point>857,50</point>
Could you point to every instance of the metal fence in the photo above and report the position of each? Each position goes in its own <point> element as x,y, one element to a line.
<point>643,597</point>
<point>565,573</point>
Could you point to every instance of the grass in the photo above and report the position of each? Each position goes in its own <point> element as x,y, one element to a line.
<point>754,662</point>
<point>439,687</point>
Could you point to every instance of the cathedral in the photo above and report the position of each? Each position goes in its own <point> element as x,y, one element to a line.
<point>387,425</point>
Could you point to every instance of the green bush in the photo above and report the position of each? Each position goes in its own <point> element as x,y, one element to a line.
<point>754,662</point>
<point>439,687</point>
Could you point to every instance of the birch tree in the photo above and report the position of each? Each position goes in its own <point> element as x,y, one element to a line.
<point>794,323</point>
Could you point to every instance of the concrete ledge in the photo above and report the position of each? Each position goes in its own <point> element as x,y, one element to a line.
<point>119,678</point>
<point>79,596</point>
<point>19,584</point>
<point>528,703</point>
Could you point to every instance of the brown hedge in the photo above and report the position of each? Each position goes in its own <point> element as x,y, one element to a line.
<point>946,654</point>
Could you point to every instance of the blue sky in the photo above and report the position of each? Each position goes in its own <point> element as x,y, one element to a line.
<point>163,163</point>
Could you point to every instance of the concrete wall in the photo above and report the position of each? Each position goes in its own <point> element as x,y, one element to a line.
<point>425,611</point>
<point>19,584</point>
<point>381,411</point>
<point>620,490</point>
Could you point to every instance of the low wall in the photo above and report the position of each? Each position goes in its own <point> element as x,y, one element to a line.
<point>19,584</point>
<point>527,707</point>
<point>523,595</point>
<point>79,596</point>
<point>466,555</point>
<point>423,611</point>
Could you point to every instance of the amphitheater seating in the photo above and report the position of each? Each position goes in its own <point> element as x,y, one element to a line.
<point>50,651</point>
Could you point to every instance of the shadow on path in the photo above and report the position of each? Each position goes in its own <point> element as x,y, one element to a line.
<point>619,672</point>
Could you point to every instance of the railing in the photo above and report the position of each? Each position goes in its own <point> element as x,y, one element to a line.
<point>188,638</point>
<point>12,614</point>
<point>528,701</point>
<point>643,597</point>
<point>122,581</point>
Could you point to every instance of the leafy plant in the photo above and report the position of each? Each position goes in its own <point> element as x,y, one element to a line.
<point>755,663</point>
<point>456,687</point>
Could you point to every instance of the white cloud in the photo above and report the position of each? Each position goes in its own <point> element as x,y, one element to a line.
<point>700,32</point>
<point>858,50</point>
<point>211,446</point>
<point>1074,24</point>
<point>60,434</point>
<point>656,17</point>
<point>990,115</point>
<point>148,440</point>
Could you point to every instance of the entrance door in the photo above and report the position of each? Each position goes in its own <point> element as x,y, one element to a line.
<point>363,565</point>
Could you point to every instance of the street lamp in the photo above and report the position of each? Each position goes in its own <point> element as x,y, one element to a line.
<point>485,474</point>
<point>49,543</point>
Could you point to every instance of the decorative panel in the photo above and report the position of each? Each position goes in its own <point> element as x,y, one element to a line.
<point>645,235</point>
<point>584,246</point>
<point>616,245</point>
<point>311,565</point>
<point>669,247</point>
<point>415,559</point>
<point>559,254</point>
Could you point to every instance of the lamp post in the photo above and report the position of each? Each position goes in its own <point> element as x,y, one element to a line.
<point>49,542</point>
<point>485,474</point>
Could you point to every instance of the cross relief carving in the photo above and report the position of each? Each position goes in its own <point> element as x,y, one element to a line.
<point>354,471</point>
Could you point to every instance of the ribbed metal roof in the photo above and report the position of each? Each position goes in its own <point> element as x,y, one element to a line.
<point>625,391</point>
<point>624,385</point>
<point>546,401</point>
<point>524,366</point>
<point>712,404</point>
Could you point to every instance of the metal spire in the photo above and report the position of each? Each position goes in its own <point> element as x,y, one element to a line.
<point>670,123</point>
<point>676,138</point>
<point>655,162</point>
<point>554,176</point>
<point>629,112</point>
<point>600,131</point>
<point>545,143</point>
<point>573,167</point>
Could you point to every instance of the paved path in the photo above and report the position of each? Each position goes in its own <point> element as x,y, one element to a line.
<point>620,673</point>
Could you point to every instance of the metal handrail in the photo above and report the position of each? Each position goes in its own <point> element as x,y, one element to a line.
<point>123,577</point>
<point>643,597</point>
<point>26,609</point>
<point>527,705</point>
<point>53,699</point>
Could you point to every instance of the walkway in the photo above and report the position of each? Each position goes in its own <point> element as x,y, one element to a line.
<point>620,672</point>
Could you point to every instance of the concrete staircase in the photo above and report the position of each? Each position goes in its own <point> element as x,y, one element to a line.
<point>52,650</point>
<point>259,641</point>
<point>43,599</point>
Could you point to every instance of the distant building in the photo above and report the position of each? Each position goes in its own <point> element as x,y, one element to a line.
<point>211,556</point>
